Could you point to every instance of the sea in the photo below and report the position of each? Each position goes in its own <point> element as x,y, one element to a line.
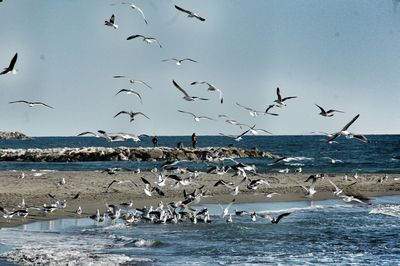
<point>331,232</point>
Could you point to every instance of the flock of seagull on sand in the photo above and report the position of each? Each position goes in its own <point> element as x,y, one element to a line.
<point>183,210</point>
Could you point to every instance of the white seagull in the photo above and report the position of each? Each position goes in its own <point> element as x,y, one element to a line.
<point>111,22</point>
<point>255,131</point>
<point>10,67</point>
<point>347,134</point>
<point>135,7</point>
<point>148,40</point>
<point>328,113</point>
<point>191,14</point>
<point>187,97</point>
<point>179,61</point>
<point>211,88</point>
<point>131,114</point>
<point>253,112</point>
<point>131,92</point>
<point>333,161</point>
<point>132,81</point>
<point>225,210</point>
<point>281,101</point>
<point>31,104</point>
<point>195,117</point>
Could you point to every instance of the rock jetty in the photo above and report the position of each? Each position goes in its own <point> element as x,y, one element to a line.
<point>125,154</point>
<point>12,135</point>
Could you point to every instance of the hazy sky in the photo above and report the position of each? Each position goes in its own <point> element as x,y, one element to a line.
<point>341,54</point>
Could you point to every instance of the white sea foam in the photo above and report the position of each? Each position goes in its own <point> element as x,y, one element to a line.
<point>387,209</point>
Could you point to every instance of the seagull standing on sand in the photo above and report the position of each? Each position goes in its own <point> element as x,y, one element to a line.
<point>10,67</point>
<point>148,40</point>
<point>111,22</point>
<point>131,114</point>
<point>347,134</point>
<point>328,113</point>
<point>187,97</point>
<point>130,92</point>
<point>195,117</point>
<point>179,61</point>
<point>31,104</point>
<point>281,101</point>
<point>191,14</point>
<point>211,88</point>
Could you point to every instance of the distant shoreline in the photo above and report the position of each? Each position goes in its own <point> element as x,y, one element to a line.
<point>92,186</point>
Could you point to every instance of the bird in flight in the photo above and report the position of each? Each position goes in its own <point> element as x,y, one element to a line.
<point>148,40</point>
<point>132,92</point>
<point>328,113</point>
<point>195,117</point>
<point>132,81</point>
<point>253,112</point>
<point>211,88</point>
<point>347,134</point>
<point>281,101</point>
<point>179,61</point>
<point>10,68</point>
<point>131,114</point>
<point>191,14</point>
<point>31,104</point>
<point>135,7</point>
<point>187,97</point>
<point>111,22</point>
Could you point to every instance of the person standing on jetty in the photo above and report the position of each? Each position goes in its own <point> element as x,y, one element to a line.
<point>194,140</point>
<point>155,141</point>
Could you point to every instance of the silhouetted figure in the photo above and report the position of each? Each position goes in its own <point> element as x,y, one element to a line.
<point>155,141</point>
<point>194,140</point>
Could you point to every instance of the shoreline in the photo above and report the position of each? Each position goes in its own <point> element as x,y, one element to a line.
<point>35,187</point>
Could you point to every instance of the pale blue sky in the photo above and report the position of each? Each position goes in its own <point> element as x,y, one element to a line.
<point>342,54</point>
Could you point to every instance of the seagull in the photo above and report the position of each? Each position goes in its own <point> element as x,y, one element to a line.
<point>111,22</point>
<point>311,190</point>
<point>148,190</point>
<point>280,101</point>
<point>253,112</point>
<point>10,68</point>
<point>100,134</point>
<point>333,161</point>
<point>211,88</point>
<point>148,40</point>
<point>351,198</point>
<point>118,182</point>
<point>132,81</point>
<point>179,61</point>
<point>131,114</point>
<point>135,7</point>
<point>222,182</point>
<point>337,191</point>
<point>271,194</point>
<point>190,13</point>
<point>347,134</point>
<point>31,104</point>
<point>132,92</point>
<point>269,108</point>
<point>225,210</point>
<point>236,138</point>
<point>255,131</point>
<point>187,97</point>
<point>275,220</point>
<point>195,117</point>
<point>328,113</point>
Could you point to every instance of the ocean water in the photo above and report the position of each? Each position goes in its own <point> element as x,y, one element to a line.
<point>315,233</point>
<point>381,155</point>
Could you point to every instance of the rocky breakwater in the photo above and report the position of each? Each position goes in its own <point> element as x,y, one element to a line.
<point>125,153</point>
<point>12,135</point>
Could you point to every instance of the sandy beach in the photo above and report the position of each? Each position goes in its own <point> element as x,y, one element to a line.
<point>35,187</point>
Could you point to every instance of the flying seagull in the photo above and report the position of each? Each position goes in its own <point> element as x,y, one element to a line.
<point>132,81</point>
<point>149,189</point>
<point>191,14</point>
<point>179,61</point>
<point>132,92</point>
<point>253,112</point>
<point>347,134</point>
<point>187,97</point>
<point>111,22</point>
<point>148,40</point>
<point>253,130</point>
<point>195,117</point>
<point>281,101</point>
<point>274,220</point>
<point>211,88</point>
<point>131,114</point>
<point>31,104</point>
<point>328,113</point>
<point>135,7</point>
<point>10,68</point>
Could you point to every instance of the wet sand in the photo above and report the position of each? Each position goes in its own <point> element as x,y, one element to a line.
<point>36,186</point>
